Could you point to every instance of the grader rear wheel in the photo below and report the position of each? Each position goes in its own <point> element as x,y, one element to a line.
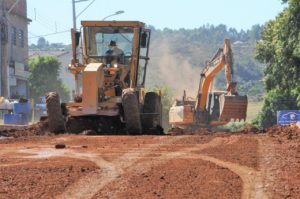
<point>152,117</point>
<point>55,117</point>
<point>131,112</point>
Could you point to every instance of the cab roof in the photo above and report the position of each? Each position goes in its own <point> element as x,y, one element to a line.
<point>134,24</point>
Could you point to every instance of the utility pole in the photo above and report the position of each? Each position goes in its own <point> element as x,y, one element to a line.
<point>74,11</point>
<point>75,29</point>
<point>74,14</point>
<point>4,51</point>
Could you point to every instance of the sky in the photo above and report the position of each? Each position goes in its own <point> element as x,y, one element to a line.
<point>55,16</point>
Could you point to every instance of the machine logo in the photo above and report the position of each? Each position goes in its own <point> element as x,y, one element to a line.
<point>288,117</point>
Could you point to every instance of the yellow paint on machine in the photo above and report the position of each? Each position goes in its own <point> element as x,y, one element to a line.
<point>93,79</point>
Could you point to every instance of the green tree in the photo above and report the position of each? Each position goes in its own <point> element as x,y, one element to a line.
<point>44,77</point>
<point>279,49</point>
<point>41,43</point>
<point>254,32</point>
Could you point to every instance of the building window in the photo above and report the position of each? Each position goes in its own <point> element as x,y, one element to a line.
<point>21,38</point>
<point>3,32</point>
<point>14,36</point>
<point>26,67</point>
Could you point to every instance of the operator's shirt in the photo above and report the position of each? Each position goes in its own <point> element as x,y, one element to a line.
<point>115,55</point>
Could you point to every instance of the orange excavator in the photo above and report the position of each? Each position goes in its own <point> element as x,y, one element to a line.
<point>211,108</point>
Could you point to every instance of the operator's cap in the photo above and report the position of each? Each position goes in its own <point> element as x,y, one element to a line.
<point>112,43</point>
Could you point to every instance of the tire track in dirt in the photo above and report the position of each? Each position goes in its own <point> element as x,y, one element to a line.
<point>14,164</point>
<point>88,186</point>
<point>268,164</point>
<point>128,159</point>
<point>253,183</point>
<point>252,179</point>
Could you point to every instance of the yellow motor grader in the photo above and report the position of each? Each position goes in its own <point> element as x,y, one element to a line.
<point>211,108</point>
<point>110,71</point>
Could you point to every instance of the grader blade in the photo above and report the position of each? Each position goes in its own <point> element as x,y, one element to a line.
<point>233,108</point>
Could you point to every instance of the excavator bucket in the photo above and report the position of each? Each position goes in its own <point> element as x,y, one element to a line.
<point>233,108</point>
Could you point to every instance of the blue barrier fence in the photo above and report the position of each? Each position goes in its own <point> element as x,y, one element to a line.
<point>21,114</point>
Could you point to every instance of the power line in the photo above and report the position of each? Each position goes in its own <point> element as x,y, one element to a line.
<point>44,25</point>
<point>85,8</point>
<point>46,19</point>
<point>48,25</point>
<point>32,33</point>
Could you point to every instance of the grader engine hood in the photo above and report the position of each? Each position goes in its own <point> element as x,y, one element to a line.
<point>93,80</point>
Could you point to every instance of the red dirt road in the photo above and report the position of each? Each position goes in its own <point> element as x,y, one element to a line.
<point>214,165</point>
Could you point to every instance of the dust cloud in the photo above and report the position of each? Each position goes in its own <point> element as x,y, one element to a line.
<point>172,70</point>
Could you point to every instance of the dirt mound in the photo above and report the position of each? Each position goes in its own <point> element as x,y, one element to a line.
<point>242,149</point>
<point>40,128</point>
<point>290,132</point>
<point>195,131</point>
<point>178,178</point>
<point>249,129</point>
<point>42,178</point>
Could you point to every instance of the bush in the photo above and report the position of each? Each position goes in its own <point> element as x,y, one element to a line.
<point>44,77</point>
<point>167,96</point>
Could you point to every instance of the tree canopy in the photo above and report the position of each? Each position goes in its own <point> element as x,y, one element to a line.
<point>279,49</point>
<point>44,77</point>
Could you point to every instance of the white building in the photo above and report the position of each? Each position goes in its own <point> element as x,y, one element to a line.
<point>14,48</point>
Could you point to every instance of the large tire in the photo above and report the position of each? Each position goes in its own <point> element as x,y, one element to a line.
<point>55,116</point>
<point>76,125</point>
<point>152,104</point>
<point>131,112</point>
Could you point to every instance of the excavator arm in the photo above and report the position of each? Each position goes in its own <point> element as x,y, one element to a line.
<point>231,105</point>
<point>222,59</point>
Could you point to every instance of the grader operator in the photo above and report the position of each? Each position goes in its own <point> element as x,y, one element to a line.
<point>110,71</point>
<point>211,108</point>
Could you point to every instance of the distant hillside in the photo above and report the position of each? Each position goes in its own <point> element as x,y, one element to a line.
<point>177,57</point>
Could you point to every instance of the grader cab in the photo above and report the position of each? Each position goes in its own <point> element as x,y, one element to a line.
<point>109,64</point>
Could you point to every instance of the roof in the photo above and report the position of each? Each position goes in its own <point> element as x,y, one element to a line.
<point>54,53</point>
